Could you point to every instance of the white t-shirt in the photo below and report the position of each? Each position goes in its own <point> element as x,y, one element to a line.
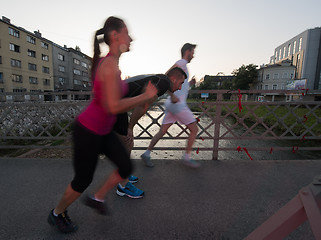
<point>180,94</point>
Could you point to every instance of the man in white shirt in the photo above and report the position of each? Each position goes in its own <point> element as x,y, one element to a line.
<point>177,110</point>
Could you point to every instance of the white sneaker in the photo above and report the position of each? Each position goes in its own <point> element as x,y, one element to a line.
<point>191,163</point>
<point>146,160</point>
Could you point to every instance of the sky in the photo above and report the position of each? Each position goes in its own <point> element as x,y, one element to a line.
<point>228,33</point>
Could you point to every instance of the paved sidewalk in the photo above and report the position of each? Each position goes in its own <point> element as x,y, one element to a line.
<point>220,200</point>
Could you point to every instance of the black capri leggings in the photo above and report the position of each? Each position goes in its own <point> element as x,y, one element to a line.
<point>87,147</point>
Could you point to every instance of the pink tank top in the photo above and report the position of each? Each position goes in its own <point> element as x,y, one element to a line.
<point>94,117</point>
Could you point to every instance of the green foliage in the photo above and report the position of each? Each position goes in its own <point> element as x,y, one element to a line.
<point>290,117</point>
<point>245,76</point>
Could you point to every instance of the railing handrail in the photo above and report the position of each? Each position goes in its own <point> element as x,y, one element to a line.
<point>60,115</point>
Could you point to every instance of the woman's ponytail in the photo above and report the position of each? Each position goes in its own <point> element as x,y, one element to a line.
<point>96,53</point>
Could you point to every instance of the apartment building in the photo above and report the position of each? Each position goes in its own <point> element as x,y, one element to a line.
<point>31,63</point>
<point>71,69</point>
<point>80,65</point>
<point>25,60</point>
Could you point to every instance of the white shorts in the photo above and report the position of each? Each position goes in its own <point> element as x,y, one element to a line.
<point>184,117</point>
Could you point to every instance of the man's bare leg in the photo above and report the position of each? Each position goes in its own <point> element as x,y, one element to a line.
<point>146,155</point>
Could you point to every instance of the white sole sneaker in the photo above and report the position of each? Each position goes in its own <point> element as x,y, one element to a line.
<point>191,163</point>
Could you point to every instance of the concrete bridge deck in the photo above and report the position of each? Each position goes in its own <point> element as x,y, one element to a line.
<point>220,200</point>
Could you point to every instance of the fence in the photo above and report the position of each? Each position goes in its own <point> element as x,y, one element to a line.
<point>242,126</point>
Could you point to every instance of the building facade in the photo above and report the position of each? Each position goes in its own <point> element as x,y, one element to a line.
<point>31,63</point>
<point>80,65</point>
<point>275,76</point>
<point>71,69</point>
<point>25,60</point>
<point>304,50</point>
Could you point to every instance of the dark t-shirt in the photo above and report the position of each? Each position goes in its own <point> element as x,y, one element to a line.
<point>136,86</point>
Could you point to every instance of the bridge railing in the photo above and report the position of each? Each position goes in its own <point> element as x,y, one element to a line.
<point>229,122</point>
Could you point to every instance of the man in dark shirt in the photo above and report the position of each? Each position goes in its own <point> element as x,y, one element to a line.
<point>169,83</point>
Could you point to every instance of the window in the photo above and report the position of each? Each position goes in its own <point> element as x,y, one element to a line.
<point>61,57</point>
<point>44,45</point>
<point>274,87</point>
<point>31,40</point>
<point>31,53</point>
<point>275,76</point>
<point>1,77</point>
<point>77,72</point>
<point>0,59</point>
<point>266,87</point>
<point>276,55</point>
<point>298,58</point>
<point>85,74</point>
<point>61,69</point>
<point>284,50</point>
<point>45,70</point>
<point>289,49</point>
<point>289,98</point>
<point>14,32</point>
<point>294,47</point>
<point>77,82</point>
<point>267,76</point>
<point>61,80</point>
<point>16,78</point>
<point>46,82</point>
<point>280,54</point>
<point>291,75</point>
<point>45,57</point>
<point>76,61</point>
<point>33,80</point>
<point>18,90</point>
<point>285,75</point>
<point>300,44</point>
<point>85,65</point>
<point>15,63</point>
<point>14,47</point>
<point>1,89</point>
<point>32,67</point>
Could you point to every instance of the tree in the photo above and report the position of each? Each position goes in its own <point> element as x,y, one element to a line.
<point>245,76</point>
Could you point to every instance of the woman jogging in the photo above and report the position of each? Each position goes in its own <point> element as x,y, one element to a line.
<point>93,128</point>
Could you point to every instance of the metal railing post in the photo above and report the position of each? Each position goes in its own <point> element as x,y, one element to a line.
<point>217,122</point>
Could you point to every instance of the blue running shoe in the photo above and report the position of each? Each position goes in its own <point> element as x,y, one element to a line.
<point>133,179</point>
<point>130,191</point>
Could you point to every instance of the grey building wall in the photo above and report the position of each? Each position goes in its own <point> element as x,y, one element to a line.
<point>311,67</point>
<point>304,52</point>
<point>76,66</point>
<point>61,66</point>
<point>275,76</point>
<point>80,65</point>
